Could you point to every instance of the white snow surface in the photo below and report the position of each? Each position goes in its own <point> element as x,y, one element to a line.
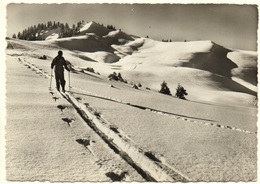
<point>85,27</point>
<point>53,36</point>
<point>42,135</point>
<point>93,27</point>
<point>209,137</point>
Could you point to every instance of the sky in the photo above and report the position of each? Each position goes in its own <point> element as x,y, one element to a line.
<point>230,25</point>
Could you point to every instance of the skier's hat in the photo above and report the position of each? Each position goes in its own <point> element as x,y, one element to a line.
<point>60,53</point>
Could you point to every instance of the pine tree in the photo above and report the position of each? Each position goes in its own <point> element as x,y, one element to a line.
<point>54,25</point>
<point>165,89</point>
<point>19,35</point>
<point>180,92</point>
<point>14,36</point>
<point>67,26</point>
<point>79,24</point>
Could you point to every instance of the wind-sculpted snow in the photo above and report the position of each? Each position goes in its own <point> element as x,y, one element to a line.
<point>247,66</point>
<point>99,56</point>
<point>91,45</point>
<point>215,60</point>
<point>203,55</point>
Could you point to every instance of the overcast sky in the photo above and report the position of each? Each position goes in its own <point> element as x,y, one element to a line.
<point>233,26</point>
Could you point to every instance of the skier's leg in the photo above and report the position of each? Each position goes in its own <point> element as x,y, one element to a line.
<point>63,82</point>
<point>57,81</point>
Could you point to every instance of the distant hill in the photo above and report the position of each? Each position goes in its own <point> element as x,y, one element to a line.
<point>93,27</point>
<point>205,65</point>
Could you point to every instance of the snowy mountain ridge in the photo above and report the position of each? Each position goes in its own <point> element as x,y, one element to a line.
<point>201,64</point>
<point>93,27</point>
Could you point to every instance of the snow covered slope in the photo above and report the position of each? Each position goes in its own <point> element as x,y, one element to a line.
<point>200,141</point>
<point>203,67</point>
<point>211,136</point>
<point>98,43</point>
<point>93,27</point>
<point>208,71</point>
<point>53,36</point>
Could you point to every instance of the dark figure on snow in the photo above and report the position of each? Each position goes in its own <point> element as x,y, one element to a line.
<point>59,63</point>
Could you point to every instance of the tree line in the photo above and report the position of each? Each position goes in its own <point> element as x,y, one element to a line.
<point>37,32</point>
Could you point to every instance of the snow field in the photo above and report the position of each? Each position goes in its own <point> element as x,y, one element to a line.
<point>38,148</point>
<point>215,154</point>
<point>210,137</point>
<point>173,139</point>
<point>126,146</point>
<point>123,144</point>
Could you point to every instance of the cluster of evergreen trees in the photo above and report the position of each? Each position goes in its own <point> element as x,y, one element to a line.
<point>166,40</point>
<point>35,32</point>
<point>111,27</point>
<point>180,91</point>
<point>117,77</point>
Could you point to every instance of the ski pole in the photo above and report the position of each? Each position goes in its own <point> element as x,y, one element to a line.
<point>69,81</point>
<point>51,78</point>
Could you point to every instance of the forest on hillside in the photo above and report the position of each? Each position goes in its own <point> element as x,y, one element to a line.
<point>39,31</point>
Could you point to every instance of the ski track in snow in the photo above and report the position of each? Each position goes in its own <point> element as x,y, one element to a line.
<point>145,163</point>
<point>152,168</point>
<point>180,117</point>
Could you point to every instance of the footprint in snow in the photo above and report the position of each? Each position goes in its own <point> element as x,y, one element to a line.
<point>116,177</point>
<point>78,98</point>
<point>84,142</point>
<point>61,107</point>
<point>86,104</point>
<point>68,120</point>
<point>55,98</point>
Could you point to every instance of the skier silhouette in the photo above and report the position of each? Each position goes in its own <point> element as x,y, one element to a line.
<point>59,63</point>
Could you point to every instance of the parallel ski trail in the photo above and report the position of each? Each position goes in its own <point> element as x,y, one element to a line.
<point>150,169</point>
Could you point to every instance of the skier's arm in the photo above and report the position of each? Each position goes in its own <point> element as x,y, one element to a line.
<point>65,65</point>
<point>53,63</point>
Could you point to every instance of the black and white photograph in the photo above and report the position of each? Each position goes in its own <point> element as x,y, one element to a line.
<point>129,92</point>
